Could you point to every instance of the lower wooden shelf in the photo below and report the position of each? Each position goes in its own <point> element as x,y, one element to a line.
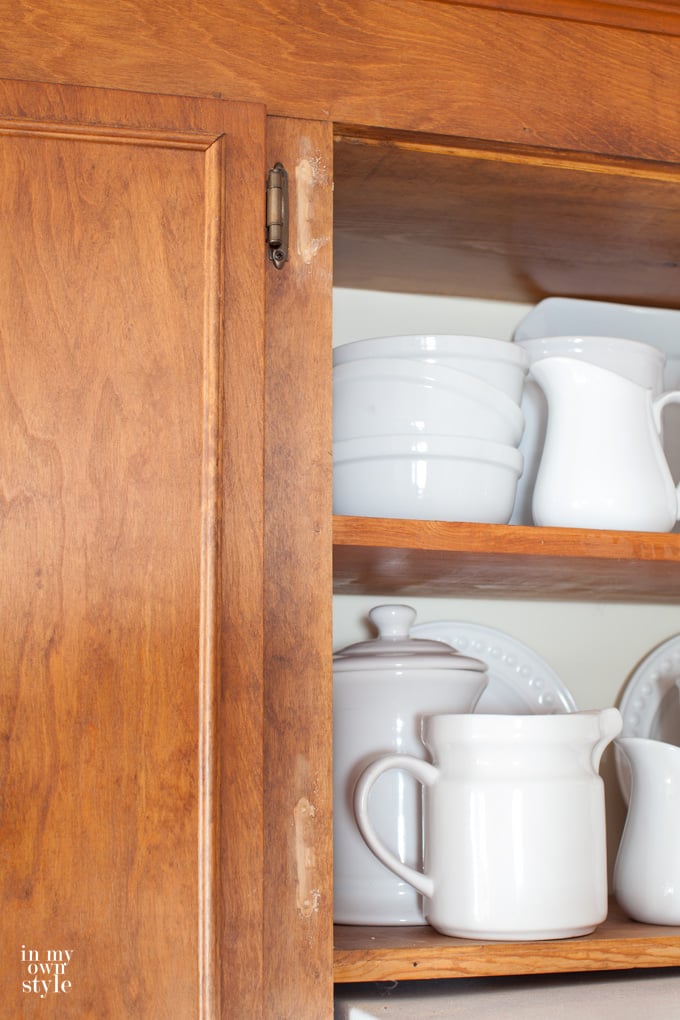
<point>399,954</point>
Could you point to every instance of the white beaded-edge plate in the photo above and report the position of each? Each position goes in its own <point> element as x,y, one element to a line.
<point>520,681</point>
<point>650,703</point>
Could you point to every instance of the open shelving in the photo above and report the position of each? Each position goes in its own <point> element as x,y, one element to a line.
<point>436,215</point>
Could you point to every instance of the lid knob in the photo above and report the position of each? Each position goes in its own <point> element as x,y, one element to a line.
<point>393,621</point>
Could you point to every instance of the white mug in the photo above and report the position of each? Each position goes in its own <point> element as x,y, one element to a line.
<point>513,823</point>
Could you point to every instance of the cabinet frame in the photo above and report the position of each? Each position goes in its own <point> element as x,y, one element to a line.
<point>593,78</point>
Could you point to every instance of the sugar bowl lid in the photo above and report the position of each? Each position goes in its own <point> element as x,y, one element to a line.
<point>394,647</point>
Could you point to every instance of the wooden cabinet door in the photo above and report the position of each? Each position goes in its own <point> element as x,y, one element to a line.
<point>131,456</point>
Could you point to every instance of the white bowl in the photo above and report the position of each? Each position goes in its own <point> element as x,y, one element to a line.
<point>441,478</point>
<point>498,362</point>
<point>388,396</point>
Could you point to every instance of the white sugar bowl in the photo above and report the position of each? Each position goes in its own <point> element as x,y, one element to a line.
<point>382,688</point>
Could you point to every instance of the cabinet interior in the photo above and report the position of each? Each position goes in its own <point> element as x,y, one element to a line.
<point>424,214</point>
<point>427,215</point>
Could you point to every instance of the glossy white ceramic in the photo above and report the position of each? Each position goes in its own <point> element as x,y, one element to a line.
<point>381,690</point>
<point>513,823</point>
<point>650,702</point>
<point>520,680</point>
<point>394,396</point>
<point>557,316</point>
<point>498,362</point>
<point>647,868</point>
<point>639,362</point>
<point>657,326</point>
<point>602,463</point>
<point>427,478</point>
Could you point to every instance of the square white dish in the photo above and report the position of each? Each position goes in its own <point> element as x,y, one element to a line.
<point>560,316</point>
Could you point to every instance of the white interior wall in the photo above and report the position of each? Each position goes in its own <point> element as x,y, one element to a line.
<point>594,647</point>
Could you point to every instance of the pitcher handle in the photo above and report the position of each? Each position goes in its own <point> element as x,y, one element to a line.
<point>426,774</point>
<point>658,404</point>
<point>611,724</point>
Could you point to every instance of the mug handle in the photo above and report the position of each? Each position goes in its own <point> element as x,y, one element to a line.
<point>426,774</point>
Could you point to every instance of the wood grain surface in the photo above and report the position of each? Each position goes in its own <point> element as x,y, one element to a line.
<point>404,954</point>
<point>426,214</point>
<point>165,762</point>
<point>419,65</point>
<point>121,411</point>
<point>298,906</point>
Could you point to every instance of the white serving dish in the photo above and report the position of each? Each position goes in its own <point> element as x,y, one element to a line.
<point>498,362</point>
<point>521,682</point>
<point>425,478</point>
<point>395,396</point>
<point>558,316</point>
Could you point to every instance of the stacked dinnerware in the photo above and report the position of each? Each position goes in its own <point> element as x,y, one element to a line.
<point>428,427</point>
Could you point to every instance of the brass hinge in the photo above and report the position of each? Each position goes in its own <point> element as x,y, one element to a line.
<point>277,215</point>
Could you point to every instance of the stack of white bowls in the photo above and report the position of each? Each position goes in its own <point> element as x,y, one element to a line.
<point>428,427</point>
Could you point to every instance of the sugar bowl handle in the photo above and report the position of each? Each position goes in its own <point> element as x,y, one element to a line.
<point>426,774</point>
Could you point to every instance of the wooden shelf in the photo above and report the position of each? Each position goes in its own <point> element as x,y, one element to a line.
<point>399,954</point>
<point>403,557</point>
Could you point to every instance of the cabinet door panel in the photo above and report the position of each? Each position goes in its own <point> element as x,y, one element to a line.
<point>131,333</point>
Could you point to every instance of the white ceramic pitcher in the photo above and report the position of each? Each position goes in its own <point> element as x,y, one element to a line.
<point>513,823</point>
<point>602,464</point>
<point>647,868</point>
